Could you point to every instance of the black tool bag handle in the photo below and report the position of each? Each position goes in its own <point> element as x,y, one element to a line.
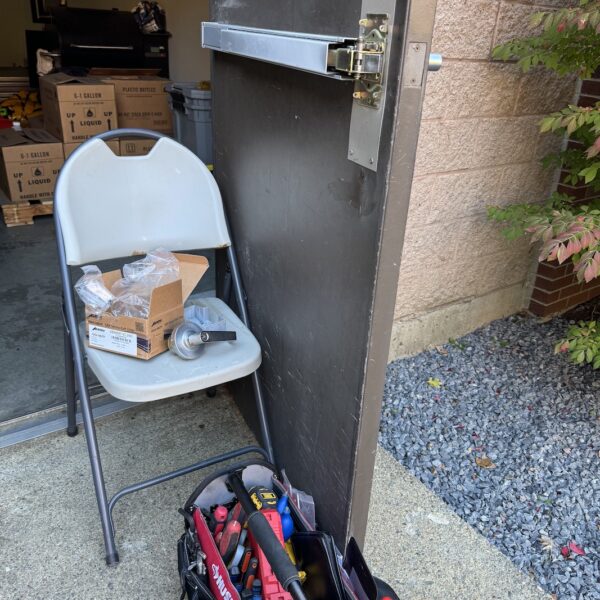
<point>258,525</point>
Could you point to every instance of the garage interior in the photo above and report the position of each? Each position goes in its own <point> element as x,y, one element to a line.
<point>291,143</point>
<point>31,358</point>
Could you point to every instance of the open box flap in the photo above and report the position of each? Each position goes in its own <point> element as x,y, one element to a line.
<point>64,78</point>
<point>191,269</point>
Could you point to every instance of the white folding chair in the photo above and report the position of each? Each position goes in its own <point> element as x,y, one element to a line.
<point>107,206</point>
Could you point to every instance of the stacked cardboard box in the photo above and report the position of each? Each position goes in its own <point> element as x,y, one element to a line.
<point>135,147</point>
<point>29,164</point>
<point>142,102</point>
<point>77,108</point>
<point>68,149</point>
<point>30,160</point>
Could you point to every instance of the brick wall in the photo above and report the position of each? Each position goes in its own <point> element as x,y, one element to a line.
<point>556,288</point>
<point>479,144</point>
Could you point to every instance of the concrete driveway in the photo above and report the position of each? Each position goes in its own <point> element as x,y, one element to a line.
<point>51,545</point>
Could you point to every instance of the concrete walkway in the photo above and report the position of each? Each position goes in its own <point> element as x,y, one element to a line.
<point>422,548</point>
<point>51,546</point>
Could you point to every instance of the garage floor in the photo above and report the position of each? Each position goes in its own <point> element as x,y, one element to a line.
<point>31,344</point>
<point>51,544</point>
<point>31,339</point>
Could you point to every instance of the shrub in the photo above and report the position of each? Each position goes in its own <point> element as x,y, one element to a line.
<point>567,42</point>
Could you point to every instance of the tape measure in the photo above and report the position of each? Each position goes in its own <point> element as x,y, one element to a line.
<point>263,497</point>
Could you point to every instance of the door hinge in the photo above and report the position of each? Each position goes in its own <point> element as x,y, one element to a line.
<point>364,60</point>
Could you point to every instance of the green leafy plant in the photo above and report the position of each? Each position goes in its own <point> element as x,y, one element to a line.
<point>566,41</point>
<point>582,342</point>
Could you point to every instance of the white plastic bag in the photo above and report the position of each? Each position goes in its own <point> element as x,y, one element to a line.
<point>92,291</point>
<point>132,293</point>
<point>129,296</point>
<point>157,268</point>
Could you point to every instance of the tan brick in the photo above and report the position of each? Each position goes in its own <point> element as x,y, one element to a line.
<point>476,237</point>
<point>475,143</point>
<point>445,146</point>
<point>472,236</point>
<point>464,28</point>
<point>440,198</point>
<point>443,284</point>
<point>423,286</point>
<point>505,140</point>
<point>514,21</point>
<point>445,197</point>
<point>548,143</point>
<point>417,332</point>
<point>430,245</point>
<point>471,89</point>
<point>502,270</point>
<point>543,92</point>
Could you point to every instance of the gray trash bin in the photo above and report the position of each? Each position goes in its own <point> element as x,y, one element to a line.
<point>192,118</point>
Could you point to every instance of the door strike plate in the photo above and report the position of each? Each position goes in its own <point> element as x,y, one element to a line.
<point>364,59</point>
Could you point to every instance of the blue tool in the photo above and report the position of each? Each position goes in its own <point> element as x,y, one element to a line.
<point>257,590</point>
<point>287,523</point>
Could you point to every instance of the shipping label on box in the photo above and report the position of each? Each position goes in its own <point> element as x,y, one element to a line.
<point>77,108</point>
<point>113,340</point>
<point>30,161</point>
<point>142,102</point>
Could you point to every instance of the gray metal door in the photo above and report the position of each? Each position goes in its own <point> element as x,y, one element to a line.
<point>317,222</point>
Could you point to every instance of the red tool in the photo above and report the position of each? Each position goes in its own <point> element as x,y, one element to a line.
<point>218,577</point>
<point>266,539</point>
<point>271,588</point>
<point>237,513</point>
<point>217,520</point>
<point>229,540</point>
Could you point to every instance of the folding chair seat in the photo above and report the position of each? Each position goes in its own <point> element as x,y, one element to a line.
<point>168,375</point>
<point>107,207</point>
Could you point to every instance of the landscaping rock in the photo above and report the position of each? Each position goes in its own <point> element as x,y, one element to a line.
<point>510,440</point>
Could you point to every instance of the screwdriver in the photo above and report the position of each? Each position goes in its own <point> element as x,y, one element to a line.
<point>229,540</point>
<point>250,574</point>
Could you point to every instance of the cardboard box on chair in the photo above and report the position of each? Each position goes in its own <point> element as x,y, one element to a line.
<point>146,337</point>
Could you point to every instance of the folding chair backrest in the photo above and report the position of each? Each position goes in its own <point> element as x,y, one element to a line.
<point>110,206</point>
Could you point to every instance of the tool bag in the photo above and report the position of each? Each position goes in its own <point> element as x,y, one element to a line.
<point>327,575</point>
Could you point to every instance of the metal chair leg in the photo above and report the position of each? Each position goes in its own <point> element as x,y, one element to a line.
<point>112,556</point>
<point>70,387</point>
<point>240,297</point>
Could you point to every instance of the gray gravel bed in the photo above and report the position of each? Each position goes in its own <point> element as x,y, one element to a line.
<point>504,398</point>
